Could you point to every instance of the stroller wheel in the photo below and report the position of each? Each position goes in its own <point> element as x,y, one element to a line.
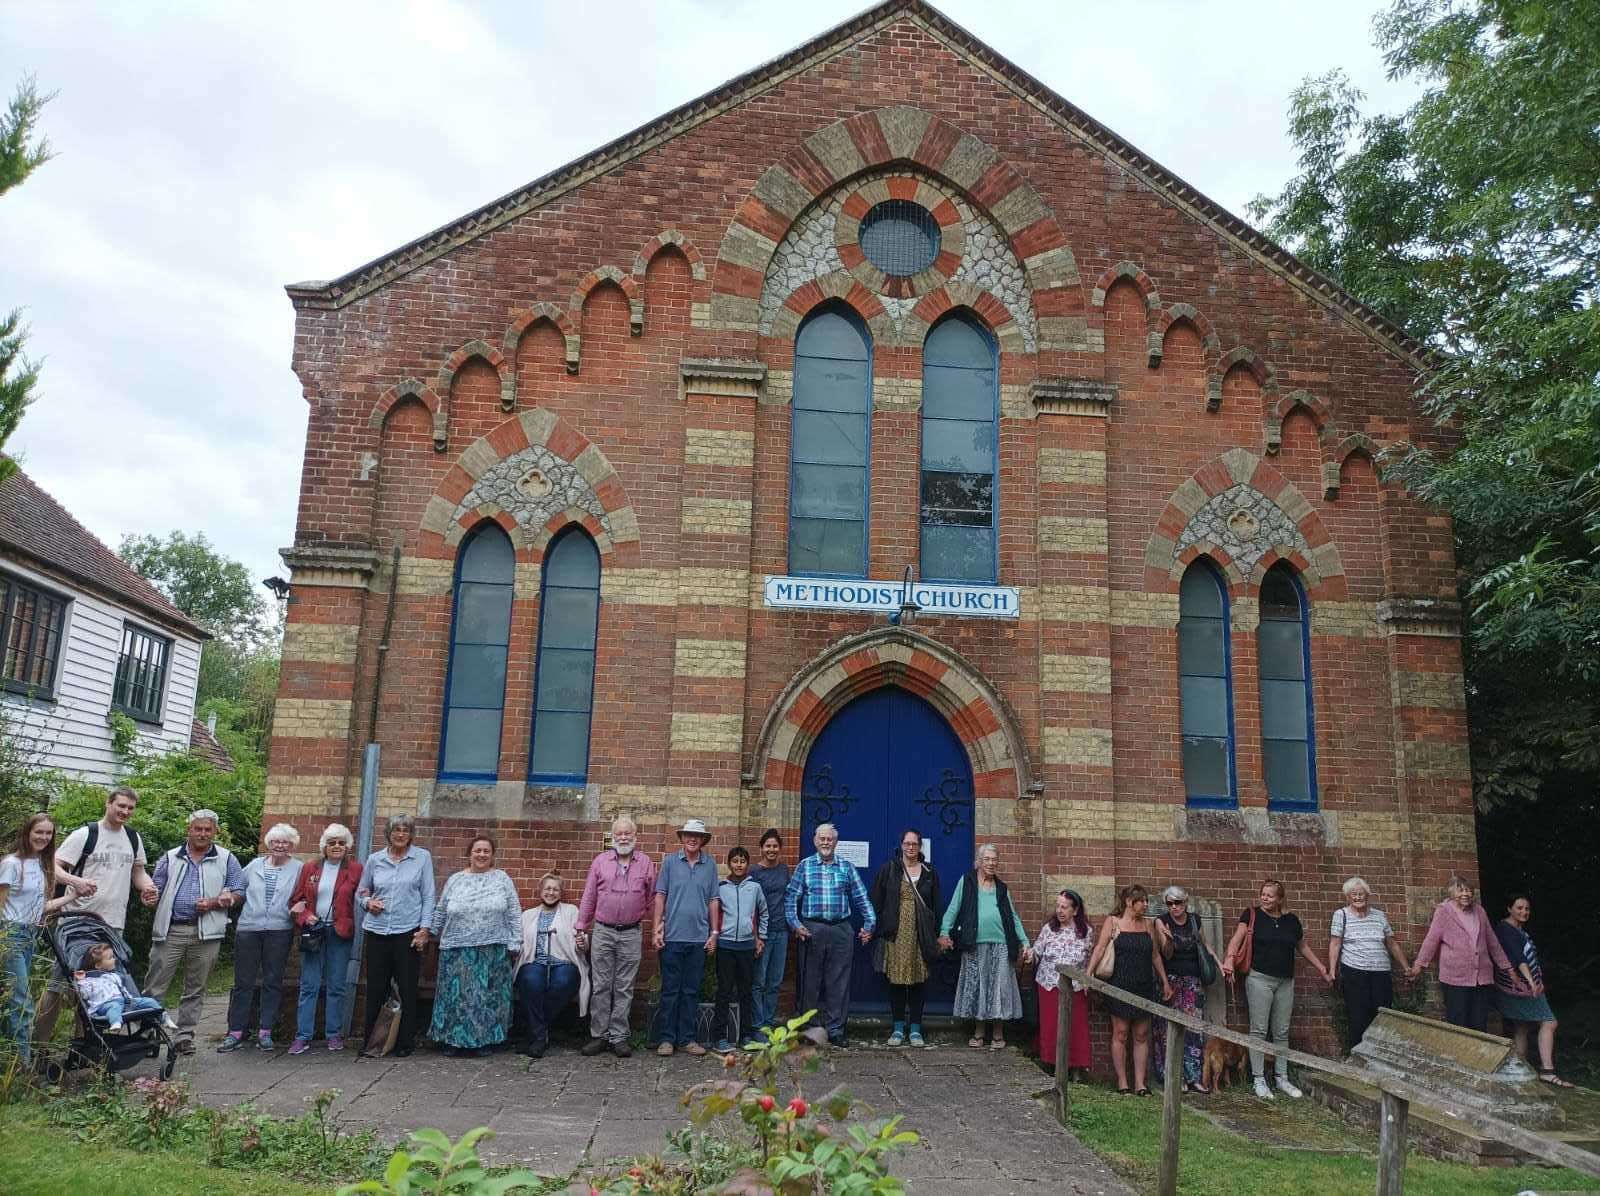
<point>168,1067</point>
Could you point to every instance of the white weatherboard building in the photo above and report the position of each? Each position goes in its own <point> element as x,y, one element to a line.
<point>83,635</point>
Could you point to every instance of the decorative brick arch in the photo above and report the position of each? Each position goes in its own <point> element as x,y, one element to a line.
<point>1173,313</point>
<point>870,140</point>
<point>526,319</point>
<point>1239,357</point>
<point>1278,411</point>
<point>411,388</point>
<point>994,314</point>
<point>1133,273</point>
<point>857,664</point>
<point>1246,516</point>
<point>668,238</point>
<point>1337,451</point>
<point>629,285</point>
<point>485,482</point>
<point>447,376</point>
<point>843,287</point>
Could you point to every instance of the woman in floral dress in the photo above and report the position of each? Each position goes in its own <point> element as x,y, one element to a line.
<point>478,922</point>
<point>1067,938</point>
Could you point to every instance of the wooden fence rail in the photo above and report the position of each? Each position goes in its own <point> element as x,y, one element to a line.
<point>1396,1096</point>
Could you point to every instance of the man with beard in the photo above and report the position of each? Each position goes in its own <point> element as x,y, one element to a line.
<point>616,898</point>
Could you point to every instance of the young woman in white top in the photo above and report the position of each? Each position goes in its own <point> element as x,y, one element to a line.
<point>24,900</point>
<point>1360,945</point>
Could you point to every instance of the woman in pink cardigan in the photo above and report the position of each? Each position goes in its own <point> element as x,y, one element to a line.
<point>1468,950</point>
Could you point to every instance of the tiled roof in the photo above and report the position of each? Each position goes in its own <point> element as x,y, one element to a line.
<point>204,744</point>
<point>32,524</point>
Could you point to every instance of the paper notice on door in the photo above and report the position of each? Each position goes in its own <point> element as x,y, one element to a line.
<point>927,852</point>
<point>857,851</point>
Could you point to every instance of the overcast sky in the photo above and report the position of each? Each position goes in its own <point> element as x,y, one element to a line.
<point>209,153</point>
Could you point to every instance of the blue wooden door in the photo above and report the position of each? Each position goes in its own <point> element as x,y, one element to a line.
<point>887,762</point>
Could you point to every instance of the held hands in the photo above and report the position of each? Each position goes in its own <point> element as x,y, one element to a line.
<point>298,908</point>
<point>711,944</point>
<point>945,944</point>
<point>375,905</point>
<point>82,887</point>
<point>864,935</point>
<point>761,945</point>
<point>582,939</point>
<point>149,896</point>
<point>802,933</point>
<point>419,941</point>
<point>659,937</point>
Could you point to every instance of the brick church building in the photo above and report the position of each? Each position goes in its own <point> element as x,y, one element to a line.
<point>634,464</point>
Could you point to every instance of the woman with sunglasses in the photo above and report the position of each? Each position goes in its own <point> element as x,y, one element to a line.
<point>1182,950</point>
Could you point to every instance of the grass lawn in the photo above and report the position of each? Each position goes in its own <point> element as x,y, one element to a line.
<point>37,1159</point>
<point>1216,1162</point>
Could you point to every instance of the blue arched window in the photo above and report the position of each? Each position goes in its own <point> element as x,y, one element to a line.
<point>960,451</point>
<point>475,681</point>
<point>1288,726</point>
<point>569,615</point>
<point>831,445</point>
<point>1205,687</point>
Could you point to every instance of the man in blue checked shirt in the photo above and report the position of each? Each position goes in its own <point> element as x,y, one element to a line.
<point>817,905</point>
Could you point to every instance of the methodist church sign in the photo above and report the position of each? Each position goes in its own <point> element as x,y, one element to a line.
<point>884,597</point>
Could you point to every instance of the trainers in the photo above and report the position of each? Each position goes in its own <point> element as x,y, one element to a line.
<point>1262,1091</point>
<point>724,1047</point>
<point>694,1048</point>
<point>230,1042</point>
<point>593,1047</point>
<point>300,1046</point>
<point>167,1023</point>
<point>264,1042</point>
<point>898,1038</point>
<point>664,1049</point>
<point>916,1038</point>
<point>1288,1089</point>
<point>335,1042</point>
<point>114,1028</point>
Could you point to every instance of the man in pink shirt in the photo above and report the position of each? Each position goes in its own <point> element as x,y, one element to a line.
<point>616,898</point>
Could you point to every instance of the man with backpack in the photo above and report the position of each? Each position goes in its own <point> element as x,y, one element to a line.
<point>101,863</point>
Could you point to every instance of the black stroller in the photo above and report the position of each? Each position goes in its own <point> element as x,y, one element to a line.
<point>93,1045</point>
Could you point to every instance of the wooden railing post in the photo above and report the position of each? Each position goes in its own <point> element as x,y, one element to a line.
<point>1063,1042</point>
<point>1171,1111</point>
<point>1393,1113</point>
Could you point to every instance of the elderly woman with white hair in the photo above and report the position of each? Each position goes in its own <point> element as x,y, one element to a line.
<point>1189,961</point>
<point>264,936</point>
<point>324,908</point>
<point>982,925</point>
<point>1360,945</point>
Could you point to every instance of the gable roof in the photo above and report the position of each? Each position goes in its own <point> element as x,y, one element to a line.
<point>208,747</point>
<point>363,280</point>
<point>34,525</point>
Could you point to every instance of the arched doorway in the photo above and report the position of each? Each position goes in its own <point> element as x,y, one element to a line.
<point>886,762</point>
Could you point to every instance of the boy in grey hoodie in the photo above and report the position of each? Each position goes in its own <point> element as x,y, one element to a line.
<point>743,938</point>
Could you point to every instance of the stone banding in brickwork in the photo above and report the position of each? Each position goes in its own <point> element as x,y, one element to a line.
<point>1243,553</point>
<point>484,483</point>
<point>835,155</point>
<point>980,717</point>
<point>627,283</point>
<point>950,216</point>
<point>524,320</point>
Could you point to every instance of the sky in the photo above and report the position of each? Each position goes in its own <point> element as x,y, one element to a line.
<point>209,153</point>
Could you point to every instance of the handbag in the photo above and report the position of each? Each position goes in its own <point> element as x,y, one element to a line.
<point>1108,960</point>
<point>386,1029</point>
<point>312,938</point>
<point>1241,961</point>
<point>1207,965</point>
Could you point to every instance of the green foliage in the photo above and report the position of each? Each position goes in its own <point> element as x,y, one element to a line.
<point>213,590</point>
<point>21,153</point>
<point>434,1164</point>
<point>26,785</point>
<point>1472,221</point>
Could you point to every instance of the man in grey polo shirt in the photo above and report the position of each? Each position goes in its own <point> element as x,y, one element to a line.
<point>688,918</point>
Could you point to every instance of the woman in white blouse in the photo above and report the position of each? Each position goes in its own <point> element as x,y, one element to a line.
<point>478,922</point>
<point>1360,945</point>
<point>1067,938</point>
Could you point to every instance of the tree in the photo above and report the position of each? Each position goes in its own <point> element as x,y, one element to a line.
<point>1473,221</point>
<point>20,155</point>
<point>213,590</point>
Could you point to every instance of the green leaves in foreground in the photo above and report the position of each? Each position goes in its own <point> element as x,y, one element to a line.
<point>434,1166</point>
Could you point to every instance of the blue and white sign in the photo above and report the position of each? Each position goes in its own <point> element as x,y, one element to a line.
<point>883,597</point>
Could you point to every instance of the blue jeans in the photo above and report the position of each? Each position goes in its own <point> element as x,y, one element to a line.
<point>543,990</point>
<point>682,965</point>
<point>769,979</point>
<point>328,967</point>
<point>17,942</point>
<point>114,1009</point>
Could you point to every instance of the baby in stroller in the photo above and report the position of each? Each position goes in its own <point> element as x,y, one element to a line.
<point>108,993</point>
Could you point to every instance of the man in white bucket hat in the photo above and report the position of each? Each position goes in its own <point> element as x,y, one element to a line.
<point>688,917</point>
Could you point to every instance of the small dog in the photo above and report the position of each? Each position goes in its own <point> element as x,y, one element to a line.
<point>1221,1058</point>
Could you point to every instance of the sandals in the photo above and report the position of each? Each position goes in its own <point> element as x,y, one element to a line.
<point>1124,1091</point>
<point>1555,1081</point>
<point>1196,1087</point>
<point>1142,1092</point>
<point>975,1043</point>
<point>999,1044</point>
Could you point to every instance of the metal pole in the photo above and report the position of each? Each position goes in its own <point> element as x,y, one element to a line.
<point>1171,1111</point>
<point>363,844</point>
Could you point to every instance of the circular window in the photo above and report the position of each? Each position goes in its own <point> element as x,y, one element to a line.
<point>899,237</point>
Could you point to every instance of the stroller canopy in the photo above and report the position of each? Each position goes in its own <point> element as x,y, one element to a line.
<point>74,934</point>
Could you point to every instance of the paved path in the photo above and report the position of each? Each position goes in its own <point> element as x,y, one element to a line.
<point>983,1133</point>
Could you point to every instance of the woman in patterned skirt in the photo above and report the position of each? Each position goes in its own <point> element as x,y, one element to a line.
<point>905,894</point>
<point>1182,949</point>
<point>981,923</point>
<point>1067,938</point>
<point>478,922</point>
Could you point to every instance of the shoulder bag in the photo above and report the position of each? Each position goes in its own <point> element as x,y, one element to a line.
<point>1207,962</point>
<point>1108,959</point>
<point>1241,961</point>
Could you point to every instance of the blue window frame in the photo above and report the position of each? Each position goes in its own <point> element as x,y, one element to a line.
<point>1205,686</point>
<point>563,703</point>
<point>480,634</point>
<point>1288,723</point>
<point>831,445</point>
<point>960,452</point>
